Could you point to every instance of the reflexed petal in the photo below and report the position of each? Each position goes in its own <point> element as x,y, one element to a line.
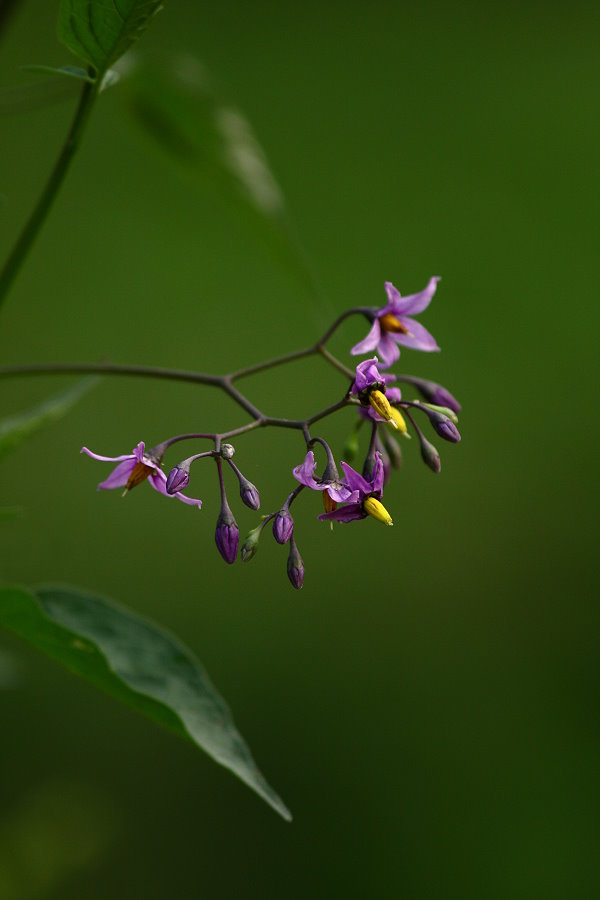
<point>421,339</point>
<point>158,480</point>
<point>119,476</point>
<point>341,494</point>
<point>355,481</point>
<point>367,374</point>
<point>370,342</point>
<point>349,513</point>
<point>378,476</point>
<point>138,452</point>
<point>394,394</point>
<point>106,458</point>
<point>305,472</point>
<point>388,350</point>
<point>413,304</point>
<point>394,298</point>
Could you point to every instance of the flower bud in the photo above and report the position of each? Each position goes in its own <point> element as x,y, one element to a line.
<point>430,455</point>
<point>227,451</point>
<point>443,424</point>
<point>295,566</point>
<point>227,535</point>
<point>393,449</point>
<point>283,526</point>
<point>249,494</point>
<point>250,546</point>
<point>444,410</point>
<point>436,393</point>
<point>178,478</point>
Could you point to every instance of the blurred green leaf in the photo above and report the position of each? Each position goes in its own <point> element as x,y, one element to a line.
<point>69,71</point>
<point>100,31</point>
<point>177,104</point>
<point>139,664</point>
<point>18,428</point>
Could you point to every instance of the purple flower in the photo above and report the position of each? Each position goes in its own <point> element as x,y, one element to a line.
<point>295,566</point>
<point>330,482</point>
<point>366,498</point>
<point>393,395</point>
<point>227,534</point>
<point>368,378</point>
<point>369,384</point>
<point>283,526</point>
<point>393,325</point>
<point>134,468</point>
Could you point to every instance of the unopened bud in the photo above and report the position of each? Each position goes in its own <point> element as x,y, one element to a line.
<point>374,508</point>
<point>430,455</point>
<point>283,526</point>
<point>227,535</point>
<point>442,423</point>
<point>249,494</point>
<point>380,404</point>
<point>250,546</point>
<point>177,479</point>
<point>295,567</point>
<point>436,393</point>
<point>227,451</point>
<point>444,410</point>
<point>393,448</point>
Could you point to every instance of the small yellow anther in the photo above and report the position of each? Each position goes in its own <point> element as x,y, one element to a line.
<point>382,407</point>
<point>376,509</point>
<point>391,323</point>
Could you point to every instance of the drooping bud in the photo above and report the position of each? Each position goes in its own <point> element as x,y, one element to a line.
<point>250,546</point>
<point>377,510</point>
<point>435,393</point>
<point>227,534</point>
<point>295,566</point>
<point>380,404</point>
<point>283,526</point>
<point>178,478</point>
<point>249,494</point>
<point>393,448</point>
<point>443,424</point>
<point>430,455</point>
<point>227,451</point>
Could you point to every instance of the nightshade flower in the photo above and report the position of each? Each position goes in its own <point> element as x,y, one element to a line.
<point>134,468</point>
<point>330,482</point>
<point>393,324</point>
<point>393,395</point>
<point>369,385</point>
<point>366,497</point>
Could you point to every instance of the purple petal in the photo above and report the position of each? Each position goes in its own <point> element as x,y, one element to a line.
<point>388,350</point>
<point>106,458</point>
<point>419,338</point>
<point>138,452</point>
<point>305,472</point>
<point>376,486</point>
<point>370,342</point>
<point>341,494</point>
<point>349,513</point>
<point>355,481</point>
<point>158,480</point>
<point>394,394</point>
<point>413,304</point>
<point>119,476</point>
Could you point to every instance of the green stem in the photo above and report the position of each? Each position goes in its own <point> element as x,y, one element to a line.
<point>44,204</point>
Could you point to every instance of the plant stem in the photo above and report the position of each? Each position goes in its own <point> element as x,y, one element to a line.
<point>44,204</point>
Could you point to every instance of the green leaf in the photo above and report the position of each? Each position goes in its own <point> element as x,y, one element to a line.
<point>136,662</point>
<point>69,71</point>
<point>176,103</point>
<point>100,31</point>
<point>17,428</point>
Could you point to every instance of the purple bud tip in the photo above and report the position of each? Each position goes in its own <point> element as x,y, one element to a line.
<point>283,526</point>
<point>441,397</point>
<point>446,429</point>
<point>249,494</point>
<point>295,568</point>
<point>227,537</point>
<point>430,456</point>
<point>177,480</point>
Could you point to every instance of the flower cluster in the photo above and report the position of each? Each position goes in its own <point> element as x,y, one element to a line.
<point>347,497</point>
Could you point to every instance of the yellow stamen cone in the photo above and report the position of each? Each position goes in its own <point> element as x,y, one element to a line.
<point>389,322</point>
<point>138,474</point>
<point>382,407</point>
<point>398,421</point>
<point>376,509</point>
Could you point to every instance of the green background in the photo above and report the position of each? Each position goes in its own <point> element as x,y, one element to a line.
<point>428,705</point>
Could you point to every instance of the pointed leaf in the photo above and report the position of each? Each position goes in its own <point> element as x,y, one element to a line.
<point>176,103</point>
<point>139,664</point>
<point>21,426</point>
<point>100,31</point>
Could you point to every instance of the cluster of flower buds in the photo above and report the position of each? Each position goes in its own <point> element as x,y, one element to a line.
<point>349,496</point>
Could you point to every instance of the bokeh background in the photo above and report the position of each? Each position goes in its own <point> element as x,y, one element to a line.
<point>428,704</point>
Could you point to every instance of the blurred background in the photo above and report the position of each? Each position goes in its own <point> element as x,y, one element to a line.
<point>428,704</point>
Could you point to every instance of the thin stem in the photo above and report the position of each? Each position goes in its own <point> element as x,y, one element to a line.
<point>111,369</point>
<point>271,363</point>
<point>48,195</point>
